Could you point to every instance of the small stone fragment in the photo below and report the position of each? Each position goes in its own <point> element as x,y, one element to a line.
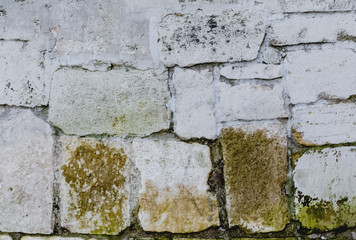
<point>188,39</point>
<point>94,185</point>
<point>254,71</point>
<point>122,102</point>
<point>174,193</point>
<point>255,173</point>
<point>324,124</point>
<point>26,178</point>
<point>325,185</point>
<point>193,103</point>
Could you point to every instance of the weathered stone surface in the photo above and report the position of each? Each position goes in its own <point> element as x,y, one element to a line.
<point>255,172</point>
<point>193,103</point>
<point>316,5</point>
<point>5,237</point>
<point>321,73</point>
<point>325,185</point>
<point>94,185</point>
<point>26,178</point>
<point>174,193</point>
<point>250,101</point>
<point>303,29</point>
<point>271,56</point>
<point>53,238</point>
<point>21,80</point>
<point>124,102</point>
<point>188,39</point>
<point>256,71</point>
<point>324,124</point>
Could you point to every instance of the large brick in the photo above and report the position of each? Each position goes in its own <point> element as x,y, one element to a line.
<point>321,73</point>
<point>188,39</point>
<point>26,175</point>
<point>124,102</point>
<point>253,71</point>
<point>316,5</point>
<point>325,184</point>
<point>174,193</point>
<point>193,103</point>
<point>94,185</point>
<point>250,101</point>
<point>303,29</point>
<point>21,79</point>
<point>324,124</point>
<point>255,173</point>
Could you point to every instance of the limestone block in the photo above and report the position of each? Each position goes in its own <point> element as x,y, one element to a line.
<point>173,195</point>
<point>303,29</point>
<point>21,79</point>
<point>316,5</point>
<point>321,73</point>
<point>325,185</point>
<point>188,39</point>
<point>94,185</point>
<point>255,71</point>
<point>250,101</point>
<point>324,124</point>
<point>255,173</point>
<point>193,103</point>
<point>123,102</point>
<point>26,175</point>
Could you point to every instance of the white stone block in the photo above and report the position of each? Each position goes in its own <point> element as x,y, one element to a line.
<point>253,71</point>
<point>317,5</point>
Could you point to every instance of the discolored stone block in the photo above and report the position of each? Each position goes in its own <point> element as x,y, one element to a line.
<point>174,195</point>
<point>94,185</point>
<point>255,173</point>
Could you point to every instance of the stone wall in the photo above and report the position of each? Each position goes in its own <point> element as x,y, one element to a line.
<point>177,119</point>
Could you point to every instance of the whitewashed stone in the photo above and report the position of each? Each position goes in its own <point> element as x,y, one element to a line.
<point>325,182</point>
<point>94,185</point>
<point>324,124</point>
<point>174,193</point>
<point>256,71</point>
<point>26,178</point>
<point>5,237</point>
<point>193,103</point>
<point>187,39</point>
<point>321,73</point>
<point>21,79</point>
<point>124,102</point>
<point>316,5</point>
<point>303,29</point>
<point>250,101</point>
<point>271,56</point>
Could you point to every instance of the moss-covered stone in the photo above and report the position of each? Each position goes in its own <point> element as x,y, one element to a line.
<point>94,186</point>
<point>255,172</point>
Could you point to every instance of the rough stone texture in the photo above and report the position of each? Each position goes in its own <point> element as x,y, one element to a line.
<point>303,29</point>
<point>316,5</point>
<point>124,102</point>
<point>174,193</point>
<point>255,173</point>
<point>321,74</point>
<point>26,175</point>
<point>324,124</point>
<point>187,39</point>
<point>5,237</point>
<point>53,238</point>
<point>256,71</point>
<point>250,101</point>
<point>94,185</point>
<point>21,80</point>
<point>271,56</point>
<point>193,103</point>
<point>325,185</point>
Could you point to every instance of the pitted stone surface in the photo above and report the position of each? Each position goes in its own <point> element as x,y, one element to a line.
<point>255,172</point>
<point>193,103</point>
<point>21,80</point>
<point>123,102</point>
<point>316,5</point>
<point>324,124</point>
<point>303,29</point>
<point>26,175</point>
<point>174,193</point>
<point>94,185</point>
<point>325,185</point>
<point>254,71</point>
<point>187,39</point>
<point>321,74</point>
<point>250,101</point>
